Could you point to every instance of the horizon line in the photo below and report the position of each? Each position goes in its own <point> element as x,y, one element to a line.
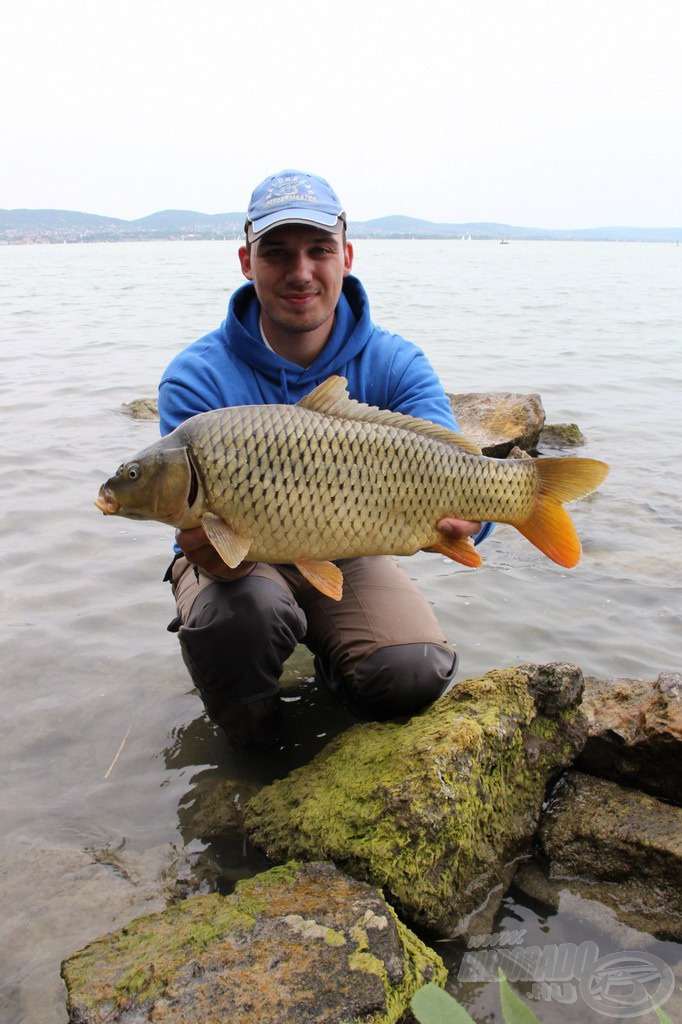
<point>367,220</point>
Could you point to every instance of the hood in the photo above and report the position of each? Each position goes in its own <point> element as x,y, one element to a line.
<point>240,333</point>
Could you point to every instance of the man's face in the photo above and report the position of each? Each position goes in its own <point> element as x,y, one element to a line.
<point>297,272</point>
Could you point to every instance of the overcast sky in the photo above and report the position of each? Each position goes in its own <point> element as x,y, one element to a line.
<point>546,113</point>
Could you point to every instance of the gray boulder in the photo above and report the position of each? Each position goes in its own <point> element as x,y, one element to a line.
<point>626,843</point>
<point>498,422</point>
<point>298,943</point>
<point>435,810</point>
<point>635,733</point>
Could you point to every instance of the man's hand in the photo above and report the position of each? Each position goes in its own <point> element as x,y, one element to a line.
<point>457,528</point>
<point>199,550</point>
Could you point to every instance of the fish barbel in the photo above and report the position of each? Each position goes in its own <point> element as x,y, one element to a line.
<point>332,478</point>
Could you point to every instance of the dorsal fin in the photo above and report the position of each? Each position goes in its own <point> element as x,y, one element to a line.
<point>332,398</point>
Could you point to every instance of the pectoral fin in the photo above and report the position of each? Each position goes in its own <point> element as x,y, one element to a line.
<point>232,548</point>
<point>459,550</point>
<point>325,576</point>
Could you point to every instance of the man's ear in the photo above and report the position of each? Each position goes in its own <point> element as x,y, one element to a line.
<point>347,259</point>
<point>245,261</point>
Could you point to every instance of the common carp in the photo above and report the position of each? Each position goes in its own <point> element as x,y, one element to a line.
<point>333,478</point>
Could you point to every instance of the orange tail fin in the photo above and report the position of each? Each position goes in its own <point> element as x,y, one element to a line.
<point>549,526</point>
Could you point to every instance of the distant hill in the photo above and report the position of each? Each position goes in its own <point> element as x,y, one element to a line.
<point>412,227</point>
<point>180,220</point>
<point>51,220</point>
<point>70,226</point>
<point>27,226</point>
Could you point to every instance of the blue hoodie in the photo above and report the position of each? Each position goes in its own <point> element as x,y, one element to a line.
<point>233,366</point>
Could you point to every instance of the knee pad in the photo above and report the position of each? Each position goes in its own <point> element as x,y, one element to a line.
<point>398,680</point>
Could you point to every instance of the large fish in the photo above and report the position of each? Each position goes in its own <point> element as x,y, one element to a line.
<point>332,478</point>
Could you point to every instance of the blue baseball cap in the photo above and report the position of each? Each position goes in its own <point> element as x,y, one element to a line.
<point>293,197</point>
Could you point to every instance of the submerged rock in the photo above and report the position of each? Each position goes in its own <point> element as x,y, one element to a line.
<point>498,422</point>
<point>57,898</point>
<point>626,843</point>
<point>635,733</point>
<point>142,409</point>
<point>434,810</point>
<point>219,807</point>
<point>300,943</point>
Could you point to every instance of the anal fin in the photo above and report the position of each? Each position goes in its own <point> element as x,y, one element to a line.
<point>459,549</point>
<point>231,547</point>
<point>325,576</point>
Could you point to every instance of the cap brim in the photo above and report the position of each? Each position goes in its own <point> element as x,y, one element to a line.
<point>328,221</point>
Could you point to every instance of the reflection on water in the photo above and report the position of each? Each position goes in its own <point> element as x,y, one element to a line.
<point>86,660</point>
<point>222,778</point>
<point>550,932</point>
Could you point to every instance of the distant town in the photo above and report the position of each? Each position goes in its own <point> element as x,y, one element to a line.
<point>52,227</point>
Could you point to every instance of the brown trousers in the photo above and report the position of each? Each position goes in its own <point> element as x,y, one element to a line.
<point>380,648</point>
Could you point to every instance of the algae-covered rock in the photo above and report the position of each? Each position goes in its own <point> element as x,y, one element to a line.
<point>628,844</point>
<point>499,421</point>
<point>561,435</point>
<point>635,733</point>
<point>433,810</point>
<point>299,943</point>
<point>218,806</point>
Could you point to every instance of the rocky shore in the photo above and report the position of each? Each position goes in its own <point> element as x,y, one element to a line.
<point>395,826</point>
<point>531,773</point>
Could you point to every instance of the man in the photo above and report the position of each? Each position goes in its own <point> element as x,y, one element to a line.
<point>302,318</point>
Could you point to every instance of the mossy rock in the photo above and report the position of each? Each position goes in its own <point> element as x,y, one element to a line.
<point>433,810</point>
<point>562,435</point>
<point>300,943</point>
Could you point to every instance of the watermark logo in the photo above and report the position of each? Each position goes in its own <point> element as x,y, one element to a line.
<point>622,985</point>
<point>626,985</point>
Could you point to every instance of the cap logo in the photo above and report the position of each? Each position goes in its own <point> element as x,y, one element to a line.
<point>292,188</point>
<point>294,197</point>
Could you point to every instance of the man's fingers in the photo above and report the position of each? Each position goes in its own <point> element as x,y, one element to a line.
<point>457,528</point>
<point>192,540</point>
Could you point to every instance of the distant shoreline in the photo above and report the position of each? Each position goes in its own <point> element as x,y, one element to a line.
<point>5,242</point>
<point>50,227</point>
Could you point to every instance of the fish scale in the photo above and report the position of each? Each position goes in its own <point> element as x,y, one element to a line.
<point>322,482</point>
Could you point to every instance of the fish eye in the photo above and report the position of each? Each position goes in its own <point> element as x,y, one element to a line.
<point>134,471</point>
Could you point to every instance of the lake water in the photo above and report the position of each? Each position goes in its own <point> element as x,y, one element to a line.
<point>596,329</point>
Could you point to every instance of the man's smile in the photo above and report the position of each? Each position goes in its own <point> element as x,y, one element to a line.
<point>299,298</point>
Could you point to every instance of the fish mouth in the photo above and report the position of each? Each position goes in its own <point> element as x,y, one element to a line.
<point>106,502</point>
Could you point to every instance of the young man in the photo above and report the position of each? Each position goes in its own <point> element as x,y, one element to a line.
<point>302,318</point>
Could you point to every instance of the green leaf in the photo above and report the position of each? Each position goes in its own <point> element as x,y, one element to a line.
<point>662,1016</point>
<point>514,1009</point>
<point>431,1005</point>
